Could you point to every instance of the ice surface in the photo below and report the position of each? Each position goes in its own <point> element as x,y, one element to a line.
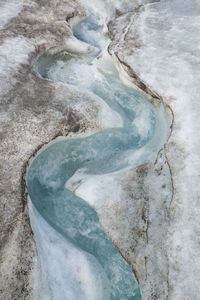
<point>8,10</point>
<point>67,272</point>
<point>13,52</point>
<point>168,60</point>
<point>77,166</point>
<point>75,219</point>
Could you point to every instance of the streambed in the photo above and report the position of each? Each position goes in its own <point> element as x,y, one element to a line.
<point>56,172</point>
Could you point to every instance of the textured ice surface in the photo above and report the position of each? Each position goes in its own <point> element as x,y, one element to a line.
<point>64,166</point>
<point>8,10</point>
<point>13,52</point>
<point>168,60</point>
<point>66,272</point>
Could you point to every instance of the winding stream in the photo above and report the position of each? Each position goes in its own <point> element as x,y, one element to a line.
<point>55,173</point>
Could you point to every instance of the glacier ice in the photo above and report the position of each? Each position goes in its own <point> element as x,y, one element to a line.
<point>168,61</point>
<point>8,10</point>
<point>64,166</point>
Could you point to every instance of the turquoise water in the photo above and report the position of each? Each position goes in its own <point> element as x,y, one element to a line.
<point>101,153</point>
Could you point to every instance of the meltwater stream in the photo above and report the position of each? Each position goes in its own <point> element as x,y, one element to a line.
<point>101,272</point>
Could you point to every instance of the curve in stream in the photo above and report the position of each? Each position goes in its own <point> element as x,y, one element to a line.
<point>53,170</point>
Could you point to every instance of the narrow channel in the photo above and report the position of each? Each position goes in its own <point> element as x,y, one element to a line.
<point>78,260</point>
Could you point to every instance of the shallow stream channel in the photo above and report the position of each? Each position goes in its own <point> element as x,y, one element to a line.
<point>78,260</point>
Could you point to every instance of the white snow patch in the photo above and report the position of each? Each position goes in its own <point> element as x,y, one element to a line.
<point>73,45</point>
<point>13,53</point>
<point>8,10</point>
